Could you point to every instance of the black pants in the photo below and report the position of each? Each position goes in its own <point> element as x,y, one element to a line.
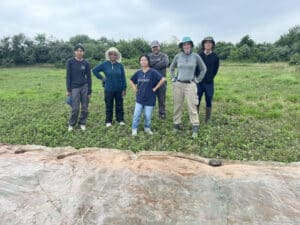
<point>208,90</point>
<point>110,97</point>
<point>161,97</point>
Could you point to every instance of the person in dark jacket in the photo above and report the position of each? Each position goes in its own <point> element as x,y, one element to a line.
<point>79,84</point>
<point>114,84</point>
<point>160,62</point>
<point>206,86</point>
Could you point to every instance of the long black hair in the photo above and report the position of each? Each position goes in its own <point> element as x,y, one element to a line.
<point>147,57</point>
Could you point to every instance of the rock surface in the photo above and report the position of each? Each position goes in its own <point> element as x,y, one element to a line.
<point>64,186</point>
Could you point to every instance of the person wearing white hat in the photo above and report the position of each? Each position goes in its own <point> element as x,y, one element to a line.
<point>185,83</point>
<point>114,83</point>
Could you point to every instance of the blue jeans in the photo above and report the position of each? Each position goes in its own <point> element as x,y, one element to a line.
<point>208,90</point>
<point>138,113</point>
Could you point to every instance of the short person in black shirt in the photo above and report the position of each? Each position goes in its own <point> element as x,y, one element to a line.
<point>145,82</point>
<point>206,86</point>
<point>79,85</point>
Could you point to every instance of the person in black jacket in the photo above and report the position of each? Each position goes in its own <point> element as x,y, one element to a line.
<point>79,83</point>
<point>206,86</point>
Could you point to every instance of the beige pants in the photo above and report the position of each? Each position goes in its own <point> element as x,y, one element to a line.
<point>180,91</point>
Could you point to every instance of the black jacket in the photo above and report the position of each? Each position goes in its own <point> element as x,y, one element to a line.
<point>212,63</point>
<point>78,74</point>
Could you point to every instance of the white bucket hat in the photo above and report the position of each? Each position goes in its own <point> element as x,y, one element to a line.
<point>113,49</point>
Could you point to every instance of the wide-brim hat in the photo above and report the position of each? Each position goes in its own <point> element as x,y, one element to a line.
<point>186,40</point>
<point>113,49</point>
<point>208,39</point>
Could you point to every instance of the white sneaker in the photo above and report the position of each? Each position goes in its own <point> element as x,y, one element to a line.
<point>108,125</point>
<point>134,132</point>
<point>148,131</point>
<point>82,127</point>
<point>70,128</point>
<point>122,123</point>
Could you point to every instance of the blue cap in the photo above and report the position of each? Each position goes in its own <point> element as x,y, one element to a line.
<point>185,40</point>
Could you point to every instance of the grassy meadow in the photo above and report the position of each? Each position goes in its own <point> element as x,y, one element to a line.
<point>256,115</point>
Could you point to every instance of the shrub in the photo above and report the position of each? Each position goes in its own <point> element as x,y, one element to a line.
<point>295,59</point>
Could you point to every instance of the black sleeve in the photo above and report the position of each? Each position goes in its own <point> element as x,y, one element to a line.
<point>123,77</point>
<point>89,78</point>
<point>217,66</point>
<point>68,76</point>
<point>197,71</point>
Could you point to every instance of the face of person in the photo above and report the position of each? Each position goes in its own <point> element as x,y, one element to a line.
<point>144,62</point>
<point>208,45</point>
<point>79,53</point>
<point>113,56</point>
<point>156,49</point>
<point>187,47</point>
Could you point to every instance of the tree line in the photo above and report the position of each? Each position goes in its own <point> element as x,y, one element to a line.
<point>22,50</point>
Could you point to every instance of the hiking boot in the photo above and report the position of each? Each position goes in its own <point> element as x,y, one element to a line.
<point>148,131</point>
<point>207,114</point>
<point>195,131</point>
<point>176,128</point>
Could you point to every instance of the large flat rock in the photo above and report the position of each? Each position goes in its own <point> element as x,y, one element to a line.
<point>64,186</point>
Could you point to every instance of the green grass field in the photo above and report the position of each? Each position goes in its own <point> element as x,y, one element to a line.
<point>255,115</point>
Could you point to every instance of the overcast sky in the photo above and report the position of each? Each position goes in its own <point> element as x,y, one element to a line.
<point>263,20</point>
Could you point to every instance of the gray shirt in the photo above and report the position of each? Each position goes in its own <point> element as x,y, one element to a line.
<point>160,62</point>
<point>186,66</point>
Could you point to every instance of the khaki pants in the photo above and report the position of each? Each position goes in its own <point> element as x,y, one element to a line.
<point>180,91</point>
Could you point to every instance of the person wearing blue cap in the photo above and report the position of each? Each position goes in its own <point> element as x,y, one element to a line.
<point>206,86</point>
<point>185,83</point>
<point>79,86</point>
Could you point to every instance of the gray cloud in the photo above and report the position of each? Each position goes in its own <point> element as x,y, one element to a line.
<point>263,20</point>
